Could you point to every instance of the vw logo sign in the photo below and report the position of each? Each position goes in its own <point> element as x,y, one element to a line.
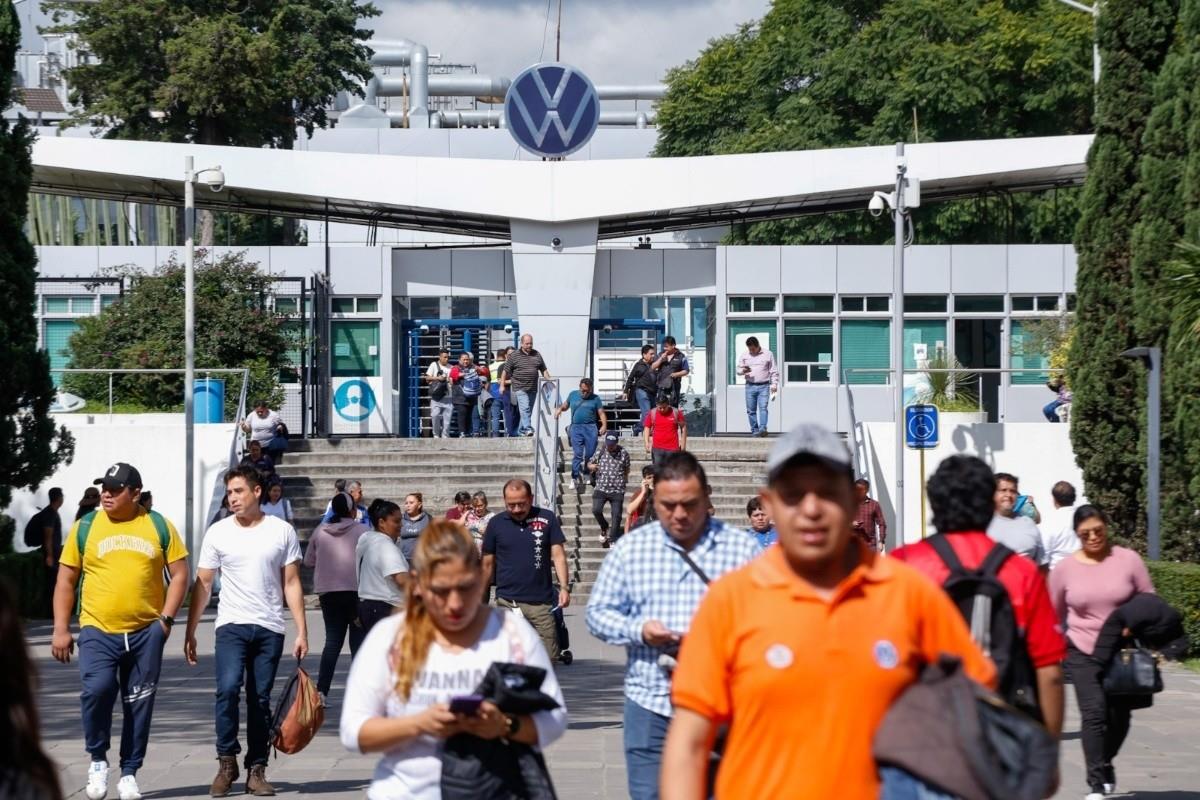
<point>552,109</point>
<point>354,401</point>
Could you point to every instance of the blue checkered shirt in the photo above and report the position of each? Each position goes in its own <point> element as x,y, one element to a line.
<point>644,577</point>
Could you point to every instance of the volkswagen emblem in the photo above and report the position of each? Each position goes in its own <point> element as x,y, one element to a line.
<point>552,109</point>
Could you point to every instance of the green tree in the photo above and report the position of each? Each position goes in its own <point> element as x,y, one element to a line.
<point>31,446</point>
<point>1134,37</point>
<point>834,73</point>
<point>142,331</point>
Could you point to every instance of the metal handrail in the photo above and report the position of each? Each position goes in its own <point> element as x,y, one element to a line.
<point>545,443</point>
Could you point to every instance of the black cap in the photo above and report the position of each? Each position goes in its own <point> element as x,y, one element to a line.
<point>118,476</point>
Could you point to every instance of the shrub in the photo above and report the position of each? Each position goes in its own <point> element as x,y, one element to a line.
<point>26,575</point>
<point>1179,585</point>
<point>8,531</point>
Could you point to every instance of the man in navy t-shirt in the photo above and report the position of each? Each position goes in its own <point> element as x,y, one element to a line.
<point>588,424</point>
<point>519,546</point>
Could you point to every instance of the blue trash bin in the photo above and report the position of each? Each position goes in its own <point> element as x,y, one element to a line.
<point>210,400</point>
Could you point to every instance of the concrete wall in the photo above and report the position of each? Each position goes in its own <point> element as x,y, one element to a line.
<point>154,443</point>
<point>1039,454</point>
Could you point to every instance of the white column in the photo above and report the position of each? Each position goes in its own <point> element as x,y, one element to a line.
<point>554,291</point>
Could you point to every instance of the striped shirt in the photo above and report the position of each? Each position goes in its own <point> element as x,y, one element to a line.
<point>645,578</point>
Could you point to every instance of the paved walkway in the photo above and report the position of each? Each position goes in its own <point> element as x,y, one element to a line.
<point>1161,760</point>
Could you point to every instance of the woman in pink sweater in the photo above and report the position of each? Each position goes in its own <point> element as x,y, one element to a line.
<point>1085,588</point>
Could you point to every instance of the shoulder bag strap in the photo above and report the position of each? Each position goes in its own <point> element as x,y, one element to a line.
<point>695,567</point>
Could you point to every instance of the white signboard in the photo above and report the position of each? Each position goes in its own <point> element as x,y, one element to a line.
<point>358,406</point>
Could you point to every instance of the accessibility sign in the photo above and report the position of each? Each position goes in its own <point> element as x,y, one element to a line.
<point>921,427</point>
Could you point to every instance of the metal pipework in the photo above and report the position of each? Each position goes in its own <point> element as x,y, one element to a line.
<point>494,118</point>
<point>459,85</point>
<point>649,91</point>
<point>401,53</point>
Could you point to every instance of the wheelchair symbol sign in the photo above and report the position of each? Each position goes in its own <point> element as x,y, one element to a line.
<point>921,427</point>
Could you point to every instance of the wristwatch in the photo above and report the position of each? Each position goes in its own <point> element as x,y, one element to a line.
<point>514,725</point>
<point>165,620</point>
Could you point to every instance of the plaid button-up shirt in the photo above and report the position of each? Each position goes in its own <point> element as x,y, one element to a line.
<point>870,525</point>
<point>644,577</point>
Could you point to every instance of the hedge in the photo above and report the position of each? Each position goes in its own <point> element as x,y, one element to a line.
<point>26,575</point>
<point>1179,585</point>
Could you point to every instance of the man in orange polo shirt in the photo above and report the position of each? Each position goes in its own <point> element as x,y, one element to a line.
<point>806,647</point>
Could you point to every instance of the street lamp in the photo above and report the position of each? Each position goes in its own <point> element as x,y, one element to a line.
<point>1095,12</point>
<point>1151,357</point>
<point>215,179</point>
<point>907,195</point>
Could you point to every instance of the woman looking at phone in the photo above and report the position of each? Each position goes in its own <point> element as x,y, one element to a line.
<point>412,667</point>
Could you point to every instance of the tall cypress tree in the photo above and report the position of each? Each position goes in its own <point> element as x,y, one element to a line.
<point>1171,195</point>
<point>30,447</point>
<point>1134,37</point>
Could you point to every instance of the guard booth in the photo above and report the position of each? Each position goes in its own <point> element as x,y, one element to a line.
<point>422,339</point>
<point>614,347</point>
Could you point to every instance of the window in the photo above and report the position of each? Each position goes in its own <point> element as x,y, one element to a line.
<point>924,304</point>
<point>865,346</point>
<point>621,308</point>
<point>81,304</point>
<point>808,304</point>
<point>287,305</point>
<point>928,332</point>
<point>1023,355</point>
<point>872,303</point>
<point>979,303</point>
<point>807,351</point>
<point>358,305</point>
<point>1041,302</point>
<point>109,300</point>
<point>758,304</point>
<point>464,308</point>
<point>55,336</point>
<point>741,330</point>
<point>293,356</point>
<point>343,305</point>
<point>368,305</point>
<point>355,349</point>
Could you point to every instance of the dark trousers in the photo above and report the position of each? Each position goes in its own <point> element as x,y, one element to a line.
<point>599,501</point>
<point>658,456</point>
<point>251,652</point>
<point>645,734</point>
<point>125,663</point>
<point>370,612</point>
<point>1104,719</point>
<point>468,422</point>
<point>339,610</point>
<point>512,414</point>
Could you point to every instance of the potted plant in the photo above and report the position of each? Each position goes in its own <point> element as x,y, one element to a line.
<point>946,384</point>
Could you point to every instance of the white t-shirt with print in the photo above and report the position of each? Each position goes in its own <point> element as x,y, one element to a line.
<point>250,561</point>
<point>414,770</point>
<point>262,429</point>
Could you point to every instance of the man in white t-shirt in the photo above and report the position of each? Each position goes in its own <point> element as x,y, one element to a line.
<point>258,559</point>
<point>1058,527</point>
<point>1015,531</point>
<point>441,405</point>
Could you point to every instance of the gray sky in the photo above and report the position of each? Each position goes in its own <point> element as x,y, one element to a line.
<point>613,41</point>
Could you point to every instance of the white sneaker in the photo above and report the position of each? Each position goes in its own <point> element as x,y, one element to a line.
<point>1093,796</point>
<point>127,788</point>
<point>1110,788</point>
<point>97,783</point>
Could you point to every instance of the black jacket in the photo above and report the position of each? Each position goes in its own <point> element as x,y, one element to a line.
<point>641,377</point>
<point>1153,622</point>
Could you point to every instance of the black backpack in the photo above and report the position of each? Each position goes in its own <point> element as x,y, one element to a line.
<point>988,611</point>
<point>34,530</point>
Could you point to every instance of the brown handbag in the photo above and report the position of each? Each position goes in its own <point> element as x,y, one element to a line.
<point>298,715</point>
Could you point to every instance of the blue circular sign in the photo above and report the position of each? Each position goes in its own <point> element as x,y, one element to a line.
<point>354,401</point>
<point>552,109</point>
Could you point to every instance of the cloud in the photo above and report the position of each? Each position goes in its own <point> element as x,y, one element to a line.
<point>614,41</point>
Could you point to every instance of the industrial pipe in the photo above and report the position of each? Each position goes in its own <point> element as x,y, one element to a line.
<point>400,53</point>
<point>650,91</point>
<point>453,85</point>
<point>494,118</point>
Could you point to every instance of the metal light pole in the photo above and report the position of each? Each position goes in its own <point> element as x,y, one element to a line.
<point>1151,357</point>
<point>1095,12</point>
<point>898,212</point>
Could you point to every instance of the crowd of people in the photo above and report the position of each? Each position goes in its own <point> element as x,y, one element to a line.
<point>804,628</point>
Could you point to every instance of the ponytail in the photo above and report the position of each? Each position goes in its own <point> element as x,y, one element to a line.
<point>440,543</point>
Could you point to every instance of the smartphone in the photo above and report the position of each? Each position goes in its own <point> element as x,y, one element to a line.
<point>466,704</point>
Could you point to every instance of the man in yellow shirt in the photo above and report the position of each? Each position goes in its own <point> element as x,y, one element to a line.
<point>115,557</point>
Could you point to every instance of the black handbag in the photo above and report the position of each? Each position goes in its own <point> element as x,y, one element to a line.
<point>1133,671</point>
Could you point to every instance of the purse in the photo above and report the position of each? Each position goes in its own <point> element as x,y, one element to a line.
<point>1133,671</point>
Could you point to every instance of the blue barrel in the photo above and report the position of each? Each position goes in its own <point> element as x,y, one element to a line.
<point>210,400</point>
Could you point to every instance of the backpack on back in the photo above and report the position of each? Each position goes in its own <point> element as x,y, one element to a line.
<point>988,610</point>
<point>34,530</point>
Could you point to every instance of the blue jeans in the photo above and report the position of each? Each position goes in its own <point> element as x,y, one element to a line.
<point>492,411</point>
<point>583,440</point>
<point>645,403</point>
<point>251,651</point>
<point>898,784</point>
<point>757,395</point>
<point>510,413</point>
<point>128,664</point>
<point>1048,411</point>
<point>525,401</point>
<point>645,734</point>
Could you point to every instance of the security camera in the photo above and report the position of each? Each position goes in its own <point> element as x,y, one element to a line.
<point>424,329</point>
<point>215,179</point>
<point>508,328</point>
<point>879,203</point>
<point>608,329</point>
<point>556,242</point>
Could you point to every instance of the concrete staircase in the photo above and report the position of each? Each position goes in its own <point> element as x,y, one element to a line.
<point>392,468</point>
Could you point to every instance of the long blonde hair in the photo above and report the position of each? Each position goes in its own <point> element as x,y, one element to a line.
<point>439,543</point>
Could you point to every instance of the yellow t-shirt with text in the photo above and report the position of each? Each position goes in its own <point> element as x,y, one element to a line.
<point>122,568</point>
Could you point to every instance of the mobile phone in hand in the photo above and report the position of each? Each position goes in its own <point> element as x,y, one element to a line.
<point>467,705</point>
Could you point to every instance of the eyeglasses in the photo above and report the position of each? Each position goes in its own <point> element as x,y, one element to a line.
<point>1091,534</point>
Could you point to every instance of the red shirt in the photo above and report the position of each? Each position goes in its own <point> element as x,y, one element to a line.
<point>664,428</point>
<point>1020,576</point>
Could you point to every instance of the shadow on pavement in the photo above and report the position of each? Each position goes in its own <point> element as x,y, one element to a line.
<point>592,689</point>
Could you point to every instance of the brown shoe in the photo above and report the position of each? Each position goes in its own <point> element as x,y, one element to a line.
<point>227,773</point>
<point>256,782</point>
